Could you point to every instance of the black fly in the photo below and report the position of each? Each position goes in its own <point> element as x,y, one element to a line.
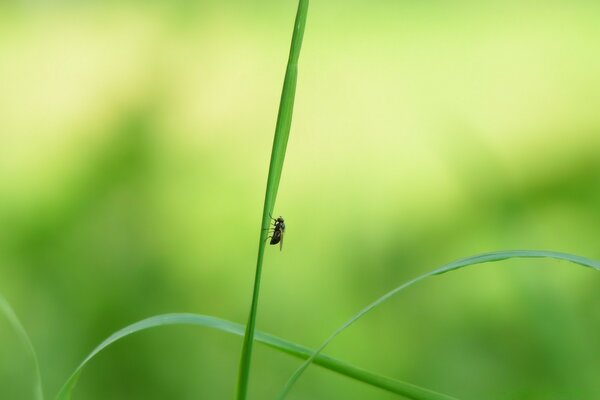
<point>278,231</point>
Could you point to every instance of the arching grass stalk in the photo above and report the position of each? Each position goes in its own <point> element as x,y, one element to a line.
<point>465,262</point>
<point>6,309</point>
<point>282,132</point>
<point>293,349</point>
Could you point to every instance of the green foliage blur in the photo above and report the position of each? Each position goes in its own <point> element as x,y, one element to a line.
<point>134,146</point>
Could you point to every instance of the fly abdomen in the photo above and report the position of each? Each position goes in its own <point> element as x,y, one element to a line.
<point>278,232</point>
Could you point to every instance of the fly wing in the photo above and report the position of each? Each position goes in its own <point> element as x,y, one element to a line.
<point>281,241</point>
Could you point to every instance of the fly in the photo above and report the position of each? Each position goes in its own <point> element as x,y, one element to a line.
<point>278,232</point>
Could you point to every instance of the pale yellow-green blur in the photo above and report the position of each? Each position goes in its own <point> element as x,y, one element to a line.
<point>134,145</point>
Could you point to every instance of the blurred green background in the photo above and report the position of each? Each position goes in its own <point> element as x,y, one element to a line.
<point>134,145</point>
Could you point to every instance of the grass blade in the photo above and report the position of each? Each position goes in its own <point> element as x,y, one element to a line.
<point>388,384</point>
<point>6,309</point>
<point>282,132</point>
<point>465,262</point>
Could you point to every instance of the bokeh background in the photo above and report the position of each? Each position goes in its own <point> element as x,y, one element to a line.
<point>134,145</point>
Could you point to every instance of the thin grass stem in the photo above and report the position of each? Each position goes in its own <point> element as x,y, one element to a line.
<point>6,309</point>
<point>282,131</point>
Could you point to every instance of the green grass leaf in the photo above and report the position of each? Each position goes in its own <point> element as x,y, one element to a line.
<point>465,262</point>
<point>6,309</point>
<point>388,384</point>
<point>282,133</point>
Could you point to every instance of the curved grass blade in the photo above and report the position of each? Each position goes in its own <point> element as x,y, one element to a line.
<point>7,310</point>
<point>388,384</point>
<point>282,132</point>
<point>465,262</point>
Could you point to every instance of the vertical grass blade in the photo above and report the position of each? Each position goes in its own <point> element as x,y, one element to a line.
<point>282,132</point>
<point>6,309</point>
<point>465,262</point>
